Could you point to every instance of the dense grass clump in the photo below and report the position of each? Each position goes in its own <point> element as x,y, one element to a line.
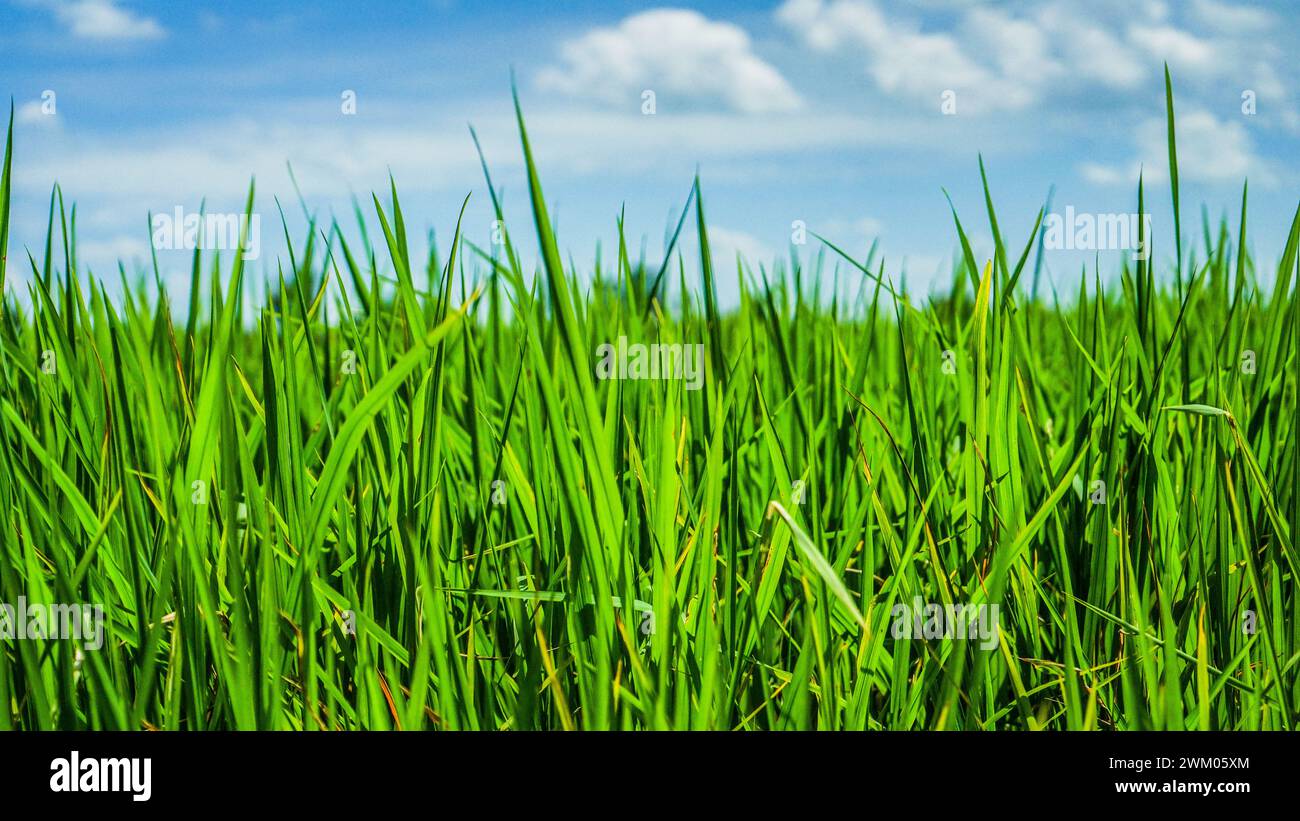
<point>382,504</point>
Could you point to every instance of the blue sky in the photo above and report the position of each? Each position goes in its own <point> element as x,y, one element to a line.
<point>824,111</point>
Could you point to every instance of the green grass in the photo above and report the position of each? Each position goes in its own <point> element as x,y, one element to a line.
<point>836,462</point>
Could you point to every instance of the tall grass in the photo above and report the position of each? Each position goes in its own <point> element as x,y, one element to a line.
<point>652,557</point>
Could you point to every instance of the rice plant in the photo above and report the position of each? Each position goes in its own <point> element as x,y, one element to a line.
<point>412,493</point>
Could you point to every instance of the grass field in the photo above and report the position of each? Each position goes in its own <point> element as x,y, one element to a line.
<point>400,496</point>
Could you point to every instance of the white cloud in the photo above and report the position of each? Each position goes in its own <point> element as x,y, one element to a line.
<point>216,157</point>
<point>671,52</point>
<point>1019,47</point>
<point>117,177</point>
<point>1230,18</point>
<point>1001,60</point>
<point>725,246</point>
<point>1089,50</point>
<point>119,247</point>
<point>1156,9</point>
<point>1103,174</point>
<point>1183,50</point>
<point>33,113</point>
<point>902,59</point>
<point>726,243</point>
<point>216,160</point>
<point>852,231</point>
<point>828,27</point>
<point>104,20</point>
<point>1209,150</point>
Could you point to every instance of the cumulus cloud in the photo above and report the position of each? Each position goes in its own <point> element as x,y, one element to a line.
<point>33,112</point>
<point>1004,60</point>
<point>1226,17</point>
<point>1209,150</point>
<point>851,231</point>
<point>675,53</point>
<point>1183,50</point>
<point>104,20</point>
<point>726,244</point>
<point>1008,70</point>
<point>127,248</point>
<point>1092,52</point>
